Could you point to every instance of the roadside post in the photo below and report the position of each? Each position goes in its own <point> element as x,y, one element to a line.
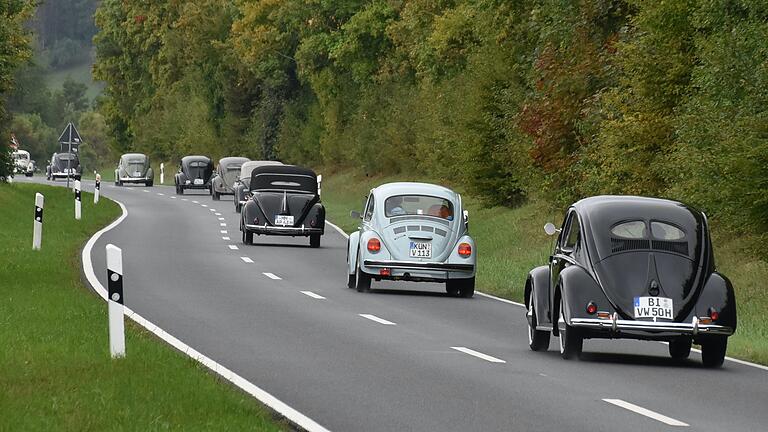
<point>97,189</point>
<point>115,301</point>
<point>78,200</point>
<point>319,185</point>
<point>162,173</point>
<point>37,232</point>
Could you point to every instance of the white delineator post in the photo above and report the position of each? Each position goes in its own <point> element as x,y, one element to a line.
<point>162,173</point>
<point>319,184</point>
<point>115,301</point>
<point>78,202</point>
<point>97,189</point>
<point>37,236</point>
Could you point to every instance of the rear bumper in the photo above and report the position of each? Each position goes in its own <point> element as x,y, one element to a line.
<point>416,265</point>
<point>194,186</point>
<point>287,231</point>
<point>649,328</point>
<point>135,179</point>
<point>65,175</point>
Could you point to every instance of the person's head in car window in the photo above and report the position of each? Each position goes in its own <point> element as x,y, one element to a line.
<point>394,206</point>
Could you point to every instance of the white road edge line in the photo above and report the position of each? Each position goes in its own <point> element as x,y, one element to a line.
<point>264,397</point>
<point>246,259</point>
<point>493,297</point>
<point>272,276</point>
<point>479,355</point>
<point>313,295</point>
<point>233,247</point>
<point>646,412</point>
<point>377,319</point>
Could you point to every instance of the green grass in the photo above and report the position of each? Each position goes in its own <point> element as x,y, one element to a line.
<point>80,73</point>
<point>511,242</point>
<point>56,369</point>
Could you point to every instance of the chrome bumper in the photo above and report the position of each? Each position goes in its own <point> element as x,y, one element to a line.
<point>280,230</point>
<point>134,179</point>
<point>618,325</point>
<point>416,265</point>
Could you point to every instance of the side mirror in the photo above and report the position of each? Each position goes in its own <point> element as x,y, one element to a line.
<point>355,215</point>
<point>550,229</point>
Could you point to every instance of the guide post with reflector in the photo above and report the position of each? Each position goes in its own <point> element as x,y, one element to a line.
<point>78,202</point>
<point>37,231</point>
<point>115,301</point>
<point>162,173</point>
<point>97,189</point>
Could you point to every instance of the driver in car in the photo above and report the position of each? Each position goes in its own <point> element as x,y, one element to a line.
<point>394,206</point>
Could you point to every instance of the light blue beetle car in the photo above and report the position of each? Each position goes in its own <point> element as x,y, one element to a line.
<point>413,232</point>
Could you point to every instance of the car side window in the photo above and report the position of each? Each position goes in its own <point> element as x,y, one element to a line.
<point>369,209</point>
<point>570,239</point>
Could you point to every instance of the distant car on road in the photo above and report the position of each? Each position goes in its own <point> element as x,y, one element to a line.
<point>284,201</point>
<point>225,175</point>
<point>413,232</point>
<point>22,164</point>
<point>635,268</point>
<point>194,173</point>
<point>243,181</point>
<point>63,165</point>
<point>134,168</point>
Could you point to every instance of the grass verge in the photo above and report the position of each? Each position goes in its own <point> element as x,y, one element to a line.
<point>56,369</point>
<point>511,242</point>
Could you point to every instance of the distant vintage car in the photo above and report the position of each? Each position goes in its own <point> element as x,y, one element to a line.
<point>194,173</point>
<point>22,164</point>
<point>225,175</point>
<point>284,201</point>
<point>243,181</point>
<point>413,232</point>
<point>635,268</point>
<point>64,165</point>
<point>134,168</point>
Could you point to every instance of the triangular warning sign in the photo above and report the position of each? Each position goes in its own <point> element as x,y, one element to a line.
<point>70,135</point>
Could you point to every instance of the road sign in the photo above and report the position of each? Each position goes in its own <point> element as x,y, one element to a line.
<point>70,136</point>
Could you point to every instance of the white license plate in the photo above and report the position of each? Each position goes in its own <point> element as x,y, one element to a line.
<point>198,181</point>
<point>653,307</point>
<point>284,220</point>
<point>136,174</point>
<point>421,249</point>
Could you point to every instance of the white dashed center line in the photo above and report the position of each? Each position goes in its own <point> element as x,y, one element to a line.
<point>480,355</point>
<point>233,247</point>
<point>195,202</point>
<point>377,319</point>
<point>223,231</point>
<point>225,238</point>
<point>184,199</point>
<point>222,224</point>
<point>173,197</point>
<point>246,259</point>
<point>203,205</point>
<point>161,194</point>
<point>145,190</point>
<point>313,295</point>
<point>646,412</point>
<point>221,218</point>
<point>272,276</point>
<point>213,210</point>
<point>218,214</point>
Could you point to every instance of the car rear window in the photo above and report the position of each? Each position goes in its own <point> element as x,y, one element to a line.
<point>665,231</point>
<point>630,230</point>
<point>401,205</point>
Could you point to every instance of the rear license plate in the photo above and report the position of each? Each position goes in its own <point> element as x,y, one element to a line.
<point>284,220</point>
<point>198,181</point>
<point>653,307</point>
<point>421,249</point>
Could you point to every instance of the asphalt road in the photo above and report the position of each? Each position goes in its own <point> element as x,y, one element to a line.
<point>388,360</point>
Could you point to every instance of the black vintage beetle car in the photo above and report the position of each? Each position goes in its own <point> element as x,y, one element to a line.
<point>194,173</point>
<point>284,201</point>
<point>243,182</point>
<point>225,175</point>
<point>64,165</point>
<point>631,267</point>
<point>134,168</point>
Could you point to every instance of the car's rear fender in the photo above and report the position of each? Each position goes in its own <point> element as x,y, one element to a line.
<point>382,254</point>
<point>455,258</point>
<point>315,214</point>
<point>352,244</point>
<point>577,288</point>
<point>250,211</point>
<point>537,285</point>
<point>718,294</point>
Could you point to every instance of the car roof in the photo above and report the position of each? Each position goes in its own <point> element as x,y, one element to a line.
<point>256,163</point>
<point>233,160</point>
<point>414,188</point>
<point>609,209</point>
<point>134,155</point>
<point>188,159</point>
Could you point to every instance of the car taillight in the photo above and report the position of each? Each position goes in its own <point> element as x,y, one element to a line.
<point>465,249</point>
<point>385,272</point>
<point>591,308</point>
<point>714,314</point>
<point>374,245</point>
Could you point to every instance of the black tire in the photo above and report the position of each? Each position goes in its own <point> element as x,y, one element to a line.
<point>362,279</point>
<point>119,183</point>
<point>179,190</point>
<point>351,280</point>
<point>680,348</point>
<point>538,340</point>
<point>571,341</point>
<point>713,351</point>
<point>150,183</point>
<point>452,287</point>
<point>314,240</point>
<point>467,287</point>
<point>247,237</point>
<point>215,195</point>
<point>238,207</point>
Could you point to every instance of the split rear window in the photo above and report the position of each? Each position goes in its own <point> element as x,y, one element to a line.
<point>638,230</point>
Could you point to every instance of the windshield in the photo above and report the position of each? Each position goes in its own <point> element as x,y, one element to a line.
<point>21,156</point>
<point>423,205</point>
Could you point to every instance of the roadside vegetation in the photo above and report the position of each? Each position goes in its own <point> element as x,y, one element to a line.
<point>56,368</point>
<point>511,241</point>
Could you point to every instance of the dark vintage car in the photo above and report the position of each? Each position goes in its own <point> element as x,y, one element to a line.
<point>64,165</point>
<point>225,175</point>
<point>636,268</point>
<point>284,201</point>
<point>194,173</point>
<point>134,168</point>
<point>242,184</point>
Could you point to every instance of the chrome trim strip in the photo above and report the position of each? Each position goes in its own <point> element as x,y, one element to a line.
<point>694,327</point>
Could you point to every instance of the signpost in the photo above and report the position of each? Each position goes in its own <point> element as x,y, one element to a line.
<point>71,137</point>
